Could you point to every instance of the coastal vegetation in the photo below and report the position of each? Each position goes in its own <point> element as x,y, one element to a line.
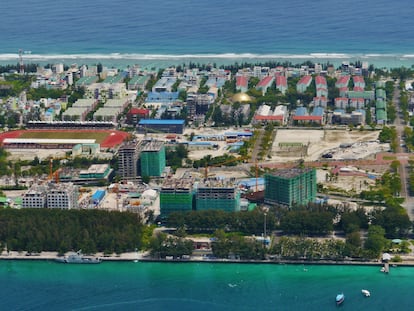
<point>36,230</point>
<point>162,246</point>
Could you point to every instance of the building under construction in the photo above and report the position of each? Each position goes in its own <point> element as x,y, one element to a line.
<point>152,158</point>
<point>217,194</point>
<point>51,195</point>
<point>176,195</point>
<point>128,155</point>
<point>290,187</point>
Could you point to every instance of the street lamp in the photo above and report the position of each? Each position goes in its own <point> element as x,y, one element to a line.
<point>264,225</point>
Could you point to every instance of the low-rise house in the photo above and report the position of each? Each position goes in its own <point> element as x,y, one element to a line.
<point>264,84</point>
<point>303,84</point>
<point>342,82</point>
<point>320,101</point>
<point>242,83</point>
<point>281,84</point>
<point>359,82</point>
<point>357,103</point>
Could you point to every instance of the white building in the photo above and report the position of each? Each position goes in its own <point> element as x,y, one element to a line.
<point>51,196</point>
<point>34,198</point>
<point>63,196</point>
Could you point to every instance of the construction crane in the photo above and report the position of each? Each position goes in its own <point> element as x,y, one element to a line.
<point>53,174</point>
<point>242,158</point>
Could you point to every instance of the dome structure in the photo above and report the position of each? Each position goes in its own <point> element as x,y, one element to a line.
<point>241,98</point>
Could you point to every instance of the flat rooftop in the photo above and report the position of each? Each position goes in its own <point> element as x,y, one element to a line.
<point>152,145</point>
<point>178,183</point>
<point>290,173</point>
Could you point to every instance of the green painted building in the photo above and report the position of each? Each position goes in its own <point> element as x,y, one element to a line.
<point>217,198</point>
<point>176,195</point>
<point>289,187</point>
<point>152,158</point>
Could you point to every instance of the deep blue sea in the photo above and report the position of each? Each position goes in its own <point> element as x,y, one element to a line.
<point>222,31</point>
<point>46,285</point>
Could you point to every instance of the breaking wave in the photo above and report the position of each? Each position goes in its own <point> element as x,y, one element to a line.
<point>383,59</point>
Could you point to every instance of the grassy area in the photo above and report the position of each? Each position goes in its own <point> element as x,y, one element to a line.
<point>99,136</point>
<point>390,158</point>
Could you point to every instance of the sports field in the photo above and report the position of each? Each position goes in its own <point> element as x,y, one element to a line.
<point>106,138</point>
<point>98,136</point>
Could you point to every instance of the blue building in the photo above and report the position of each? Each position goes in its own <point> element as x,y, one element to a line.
<point>162,97</point>
<point>164,126</point>
<point>98,196</point>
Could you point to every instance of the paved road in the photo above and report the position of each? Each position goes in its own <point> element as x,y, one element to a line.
<point>256,147</point>
<point>403,170</point>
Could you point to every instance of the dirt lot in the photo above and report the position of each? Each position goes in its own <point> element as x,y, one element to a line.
<point>30,154</point>
<point>317,142</point>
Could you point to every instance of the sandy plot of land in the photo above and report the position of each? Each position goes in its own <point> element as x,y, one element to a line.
<point>318,142</point>
<point>30,154</point>
<point>347,183</point>
<point>298,136</point>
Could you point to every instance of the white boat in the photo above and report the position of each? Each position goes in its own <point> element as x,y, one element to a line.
<point>78,257</point>
<point>365,292</point>
<point>340,298</point>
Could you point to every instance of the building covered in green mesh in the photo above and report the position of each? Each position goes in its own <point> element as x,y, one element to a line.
<point>176,195</point>
<point>290,187</point>
<point>152,158</point>
<point>215,195</point>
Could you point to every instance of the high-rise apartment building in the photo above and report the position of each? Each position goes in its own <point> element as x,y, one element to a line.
<point>128,155</point>
<point>152,158</point>
<point>289,187</point>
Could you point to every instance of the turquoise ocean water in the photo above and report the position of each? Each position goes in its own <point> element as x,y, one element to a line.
<point>223,31</point>
<point>45,285</point>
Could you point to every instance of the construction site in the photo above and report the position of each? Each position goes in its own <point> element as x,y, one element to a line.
<point>311,145</point>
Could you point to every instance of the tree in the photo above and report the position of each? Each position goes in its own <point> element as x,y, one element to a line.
<point>376,242</point>
<point>146,179</point>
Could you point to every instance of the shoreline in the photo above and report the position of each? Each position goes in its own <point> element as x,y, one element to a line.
<point>148,60</point>
<point>141,257</point>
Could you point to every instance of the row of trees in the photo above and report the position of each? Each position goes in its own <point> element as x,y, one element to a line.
<point>333,249</point>
<point>316,221</point>
<point>36,230</point>
<point>162,245</point>
<point>236,246</point>
<point>211,220</point>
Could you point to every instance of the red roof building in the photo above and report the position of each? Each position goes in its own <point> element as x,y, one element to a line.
<point>357,103</point>
<point>320,82</point>
<point>341,102</point>
<point>306,119</point>
<point>343,91</point>
<point>281,84</point>
<point>321,101</point>
<point>359,82</point>
<point>135,114</point>
<point>265,83</point>
<point>242,83</point>
<point>342,82</point>
<point>303,84</point>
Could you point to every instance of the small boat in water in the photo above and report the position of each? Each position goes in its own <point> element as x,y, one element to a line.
<point>365,292</point>
<point>340,298</point>
<point>78,257</point>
